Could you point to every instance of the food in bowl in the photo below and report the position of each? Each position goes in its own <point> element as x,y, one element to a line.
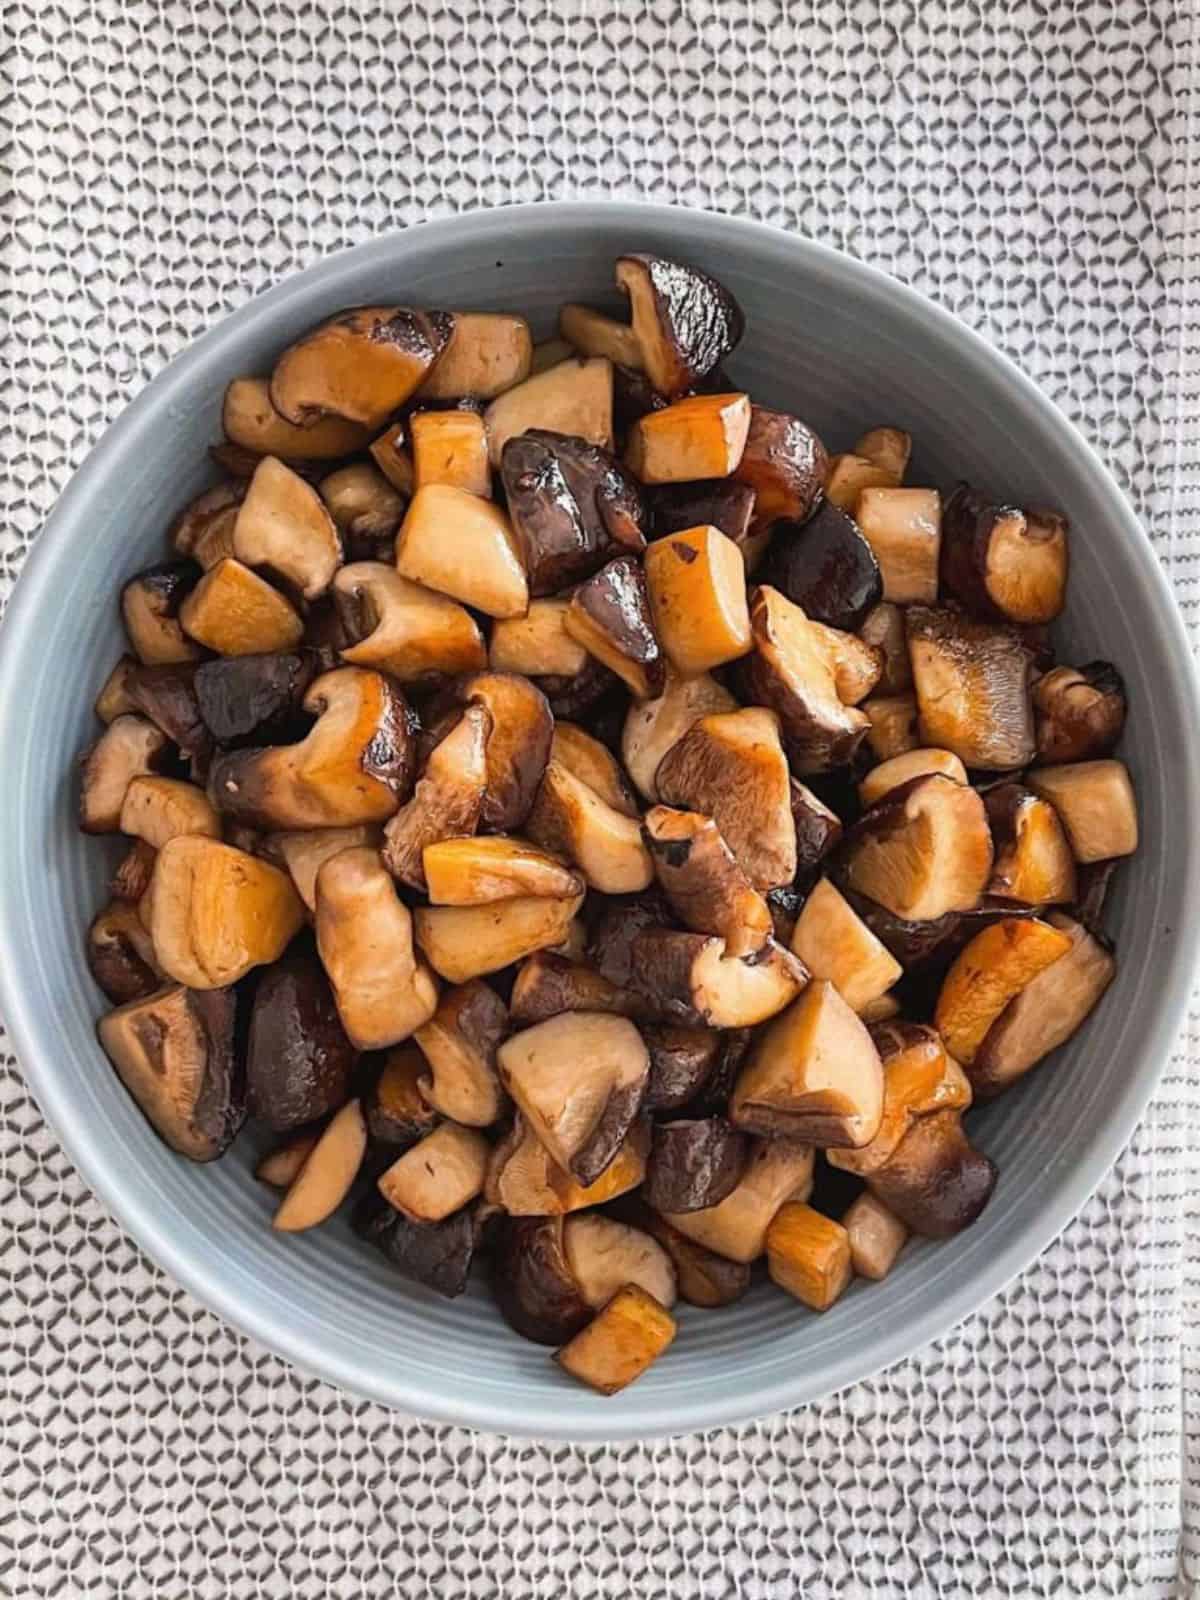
<point>591,827</point>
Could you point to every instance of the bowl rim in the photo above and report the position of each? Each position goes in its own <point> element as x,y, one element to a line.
<point>192,1269</point>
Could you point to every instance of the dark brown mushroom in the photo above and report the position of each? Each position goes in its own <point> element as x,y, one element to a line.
<point>694,1164</point>
<point>283,524</point>
<point>549,984</point>
<point>1002,562</point>
<point>298,1061</point>
<point>203,530</point>
<point>924,850</point>
<point>131,877</point>
<point>714,502</point>
<point>447,800</point>
<point>826,567</point>
<point>1093,882</point>
<point>437,1255</point>
<point>150,608</point>
<point>518,745</point>
<point>167,695</point>
<point>459,1042</point>
<point>937,1183</point>
<point>593,689</point>
<point>689,979</point>
<point>972,684</point>
<point>253,699</point>
<point>1079,711</point>
<point>700,877</point>
<point>129,748</point>
<point>397,1112</point>
<point>682,1062</point>
<point>362,364</point>
<point>786,465</point>
<point>1096,803</point>
<point>620,920</point>
<point>533,1283</point>
<point>1034,863</point>
<point>777,1170</point>
<point>685,323</point>
<point>818,828</point>
<point>120,954</point>
<point>610,616</point>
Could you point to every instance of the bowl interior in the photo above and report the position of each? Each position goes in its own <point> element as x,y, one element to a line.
<point>845,348</point>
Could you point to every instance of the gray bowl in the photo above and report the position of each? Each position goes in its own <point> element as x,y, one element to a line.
<point>845,347</point>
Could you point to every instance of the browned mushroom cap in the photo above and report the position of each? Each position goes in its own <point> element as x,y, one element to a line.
<point>922,851</point>
<point>689,979</point>
<point>703,1277</point>
<point>203,530</point>
<point>534,1286</point>
<point>918,1077</point>
<point>402,628</point>
<point>284,524</point>
<point>1045,1013</point>
<point>573,397</point>
<point>129,748</point>
<point>250,420</point>
<point>652,727</point>
<point>818,828</point>
<point>396,1110</point>
<point>365,938</point>
<point>550,984</point>
<point>150,608</point>
<point>236,613</point>
<point>298,1059</point>
<point>280,1167</point>
<point>685,323</point>
<point>792,672</point>
<point>1079,711</point>
<point>131,877</point>
<point>167,695</point>
<point>704,883</point>
<point>610,617</point>
<point>1033,863</point>
<point>893,730</point>
<point>120,954</point>
<point>174,1052</point>
<point>1096,802</point>
<point>115,698</point>
<point>731,767</point>
<point>786,465</point>
<point>436,1254</point>
<point>463,546</point>
<point>876,1237</point>
<point>570,818</point>
<point>578,1079</point>
<point>1002,562</point>
<point>158,809</point>
<point>525,1182</point>
<point>328,1174</point>
<point>713,502</point>
<point>459,1042</point>
<point>366,508</point>
<point>697,586</point>
<point>825,566</point>
<point>904,529</point>
<point>538,643</point>
<point>618,922</point>
<point>439,1175</point>
<point>487,353</point>
<point>450,447</point>
<point>604,1255</point>
<point>216,912</point>
<point>834,943</point>
<point>902,769</point>
<point>304,852</point>
<point>972,683</point>
<point>594,764</point>
<point>814,1074</point>
<point>700,437</point>
<point>253,699</point>
<point>446,801</point>
<point>883,628</point>
<point>937,1183</point>
<point>849,475</point>
<point>462,942</point>
<point>694,1164</point>
<point>518,745</point>
<point>996,965</point>
<point>361,365</point>
<point>473,872</point>
<point>777,1170</point>
<point>355,765</point>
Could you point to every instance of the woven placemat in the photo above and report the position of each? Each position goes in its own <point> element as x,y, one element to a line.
<point>1029,166</point>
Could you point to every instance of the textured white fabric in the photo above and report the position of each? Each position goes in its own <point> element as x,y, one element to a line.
<point>1028,164</point>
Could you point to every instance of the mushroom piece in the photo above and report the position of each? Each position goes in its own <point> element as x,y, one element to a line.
<point>786,465</point>
<point>366,508</point>
<point>447,799</point>
<point>814,1074</point>
<point>620,1343</point>
<point>571,506</point>
<point>298,1059</point>
<point>893,730</point>
<point>1033,861</point>
<point>1045,1013</point>
<point>731,767</point>
<point>900,770</point>
<point>167,695</point>
<point>700,437</point>
<point>115,698</point>
<point>151,604</point>
<point>652,727</point>
<point>571,818</point>
<point>792,672</point>
<point>697,586</point>
<point>689,979</point>
<point>129,748</point>
<point>435,1254</point>
<point>694,1164</point>
<point>450,447</point>
<point>888,448</point>
<point>591,333</point>
<point>391,456</point>
<point>715,502</point>
<point>248,419</point>
<point>972,685</point>
<point>255,698</point>
<point>216,912</point>
<point>876,1237</point>
<point>518,746</point>
<point>700,877</point>
<point>1097,806</point>
<point>158,809</point>
<point>537,644</point>
<point>132,876</point>
<point>808,1255</point>
<point>203,530</point>
<point>550,984</point>
<point>618,923</point>
<point>439,1175</point>
<point>459,1041</point>
<point>777,1170</point>
<point>849,475</point>
<point>463,942</point>
<point>682,1060</point>
<point>835,944</point>
<point>702,1276</point>
<point>120,954</point>
<point>525,1182</point>
<point>174,1052</point>
<point>603,1254</point>
<point>402,628</point>
<point>923,850</point>
<point>593,763</point>
<point>463,546</point>
<point>362,364</point>
<point>996,965</point>
<point>475,872</point>
<point>610,616</point>
<point>279,1168</point>
<point>918,1077</point>
<point>365,939</point>
<point>904,529</point>
<point>328,1175</point>
<point>284,524</point>
<point>487,353</point>
<point>236,613</point>
<point>1093,882</point>
<point>883,629</point>
<point>825,566</point>
<point>304,852</point>
<point>818,831</point>
<point>574,397</point>
<point>856,666</point>
<point>937,1183</point>
<point>355,765</point>
<point>685,322</point>
<point>1002,562</point>
<point>1079,712</point>
<point>396,1110</point>
<point>533,1284</point>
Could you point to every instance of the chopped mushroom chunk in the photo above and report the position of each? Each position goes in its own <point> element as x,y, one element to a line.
<point>396,1110</point>
<point>548,984</point>
<point>652,727</point>
<point>572,397</point>
<point>475,872</point>
<point>834,943</point>
<point>1002,562</point>
<point>366,508</point>
<point>995,966</point>
<point>899,770</point>
<point>785,463</point>
<point>236,613</point>
<point>1034,864</point>
<point>876,1237</point>
<point>279,1167</point>
<point>447,801</point>
<point>328,1174</point>
<point>849,475</point>
<point>591,333</point>
<point>972,684</point>
<point>1079,711</point>
<point>697,585</point>
<point>159,809</point>
<point>1096,803</point>
<point>486,353</point>
<point>610,616</point>
<point>883,629</point>
<point>526,1182</point>
<point>451,447</point>
<point>825,566</point>
<point>361,365</point>
<point>248,419</point>
<point>594,764</point>
<point>685,323</point>
<point>120,954</point>
<point>893,730</point>
<point>777,1170</point>
<point>298,1059</point>
<point>809,1255</point>
<point>459,1041</point>
<point>694,1163</point>
<point>937,1183</point>
<point>904,529</point>
<point>283,524</point>
<point>625,1338</point>
<point>151,606</point>
<point>923,850</point>
<point>689,979</point>
<point>572,819</point>
<point>305,851</point>
<point>438,1176</point>
<point>918,1077</point>
<point>129,748</point>
<point>537,644</point>
<point>462,942</point>
<point>464,546</point>
<point>403,628</point>
<point>604,1253</point>
<point>699,875</point>
<point>700,437</point>
<point>253,699</point>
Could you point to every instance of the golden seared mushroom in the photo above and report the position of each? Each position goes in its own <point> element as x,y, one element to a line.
<point>700,437</point>
<point>446,801</point>
<point>1096,803</point>
<point>776,1171</point>
<point>785,463</point>
<point>685,323</point>
<point>1046,1012</point>
<point>899,770</point>
<point>463,546</point>
<point>280,1167</point>
<point>366,508</point>
<point>129,748</point>
<point>459,1042</point>
<point>537,644</point>
<point>120,954</point>
<point>701,878</point>
<point>550,984</point>
<point>883,629</point>
<point>591,333</point>
<point>813,1074</point>
<point>918,1077</point>
<point>115,699</point>
<point>1079,711</point>
<point>203,530</point>
<point>1002,562</point>
<point>972,683</point>
<point>682,1060</point>
<point>856,666</point>
<point>157,809</point>
<point>439,1175</point>
<point>362,364</point>
<point>403,628</point>
<point>525,1182</point>
<point>610,616</point>
<point>391,455</point>
<point>488,352</point>
<point>652,727</point>
<point>284,524</point>
<point>697,586</point>
<point>151,607</point>
<point>1034,863</point>
<point>594,764</point>
<point>808,1254</point>
<point>396,1110</point>
<point>888,449</point>
<point>462,942</point>
<point>450,447</point>
<point>904,529</point>
<point>573,397</point>
<point>923,850</point>
<point>236,613</point>
<point>694,1164</point>
<point>936,1183</point>
<point>730,766</point>
<point>216,912</point>
<point>572,819</point>
<point>305,851</point>
<point>791,671</point>
<point>825,566</point>
<point>849,475</point>
<point>327,1176</point>
<point>620,1343</point>
<point>996,965</point>
<point>876,1237</point>
<point>835,944</point>
<point>578,1080</point>
<point>355,766</point>
<point>384,992</point>
<point>894,722</point>
<point>689,978</point>
<point>132,876</point>
<point>248,419</point>
<point>518,746</point>
<point>477,871</point>
<point>603,1254</point>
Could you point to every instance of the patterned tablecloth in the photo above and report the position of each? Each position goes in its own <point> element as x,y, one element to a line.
<point>1028,164</point>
